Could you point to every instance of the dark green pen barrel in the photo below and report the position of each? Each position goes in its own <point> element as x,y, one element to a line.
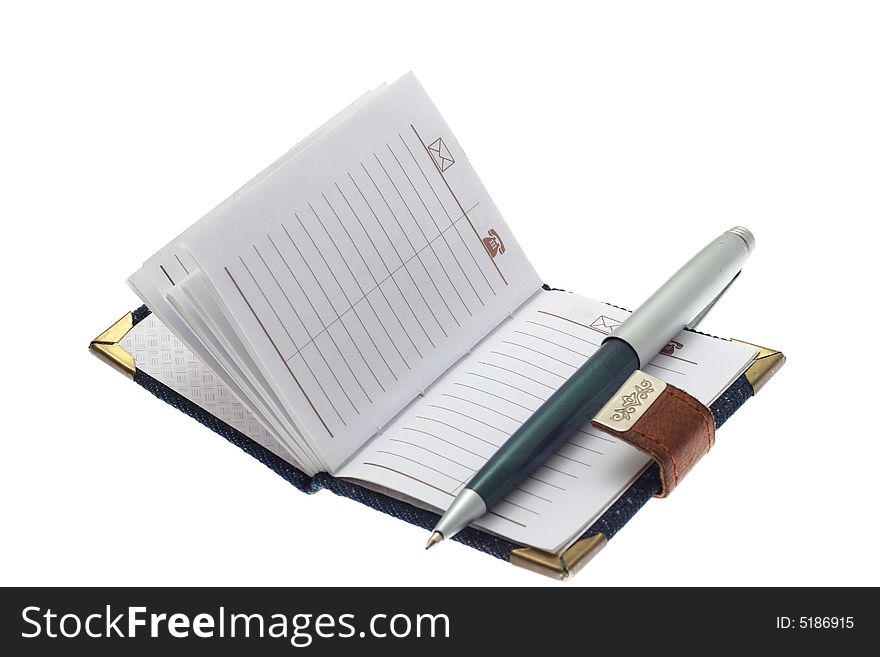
<point>557,420</point>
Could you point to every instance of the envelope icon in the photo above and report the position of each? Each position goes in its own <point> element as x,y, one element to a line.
<point>605,324</point>
<point>440,152</point>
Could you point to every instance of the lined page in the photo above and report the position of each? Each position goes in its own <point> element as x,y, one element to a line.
<point>361,271</point>
<point>431,451</point>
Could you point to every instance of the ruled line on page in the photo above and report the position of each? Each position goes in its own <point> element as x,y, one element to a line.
<point>520,374</point>
<point>534,477</point>
<point>263,327</point>
<point>405,474</point>
<point>533,494</point>
<point>460,206</point>
<point>164,271</point>
<point>557,330</point>
<point>520,506</point>
<point>511,520</point>
<point>441,232</point>
<point>448,216</point>
<point>540,353</point>
<point>290,337</point>
<point>491,394</point>
<point>312,343</point>
<point>284,326</point>
<point>329,334</point>
<point>470,417</point>
<point>567,319</point>
<point>442,456</point>
<point>377,284</point>
<point>443,440</point>
<point>452,426</point>
<point>182,266</point>
<point>529,363</point>
<point>666,369</point>
<point>417,462</point>
<point>595,435</point>
<point>338,316</point>
<point>483,406</point>
<point>684,360</point>
<point>402,263</point>
<point>363,295</point>
<point>579,446</point>
<point>263,293</point>
<point>504,383</point>
<point>559,470</point>
<point>555,344</point>
<point>293,308</point>
<point>417,256</point>
<point>569,458</point>
<point>429,243</point>
<point>388,270</point>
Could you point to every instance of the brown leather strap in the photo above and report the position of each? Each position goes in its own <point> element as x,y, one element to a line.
<point>676,430</point>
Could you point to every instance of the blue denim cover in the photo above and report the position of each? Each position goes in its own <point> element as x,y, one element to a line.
<point>617,515</point>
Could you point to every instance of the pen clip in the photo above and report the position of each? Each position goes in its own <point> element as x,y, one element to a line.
<point>705,311</point>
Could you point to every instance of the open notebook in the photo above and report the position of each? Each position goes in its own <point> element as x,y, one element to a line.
<point>366,303</point>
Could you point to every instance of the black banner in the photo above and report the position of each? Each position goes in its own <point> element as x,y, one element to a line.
<point>398,621</point>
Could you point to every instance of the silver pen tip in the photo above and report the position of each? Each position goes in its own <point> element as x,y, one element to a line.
<point>436,537</point>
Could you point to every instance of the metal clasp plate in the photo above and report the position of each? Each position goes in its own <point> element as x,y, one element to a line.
<point>631,402</point>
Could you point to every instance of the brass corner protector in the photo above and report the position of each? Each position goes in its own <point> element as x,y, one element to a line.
<point>767,363</point>
<point>106,346</point>
<point>559,566</point>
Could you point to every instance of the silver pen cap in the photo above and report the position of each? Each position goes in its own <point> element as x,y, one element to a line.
<point>686,297</point>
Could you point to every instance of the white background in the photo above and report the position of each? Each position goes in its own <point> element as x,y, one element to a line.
<point>616,140</point>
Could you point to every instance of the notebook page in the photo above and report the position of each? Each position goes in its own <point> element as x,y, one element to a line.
<point>362,270</point>
<point>432,449</point>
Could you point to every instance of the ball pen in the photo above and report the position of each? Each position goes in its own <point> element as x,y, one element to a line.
<point>680,303</point>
